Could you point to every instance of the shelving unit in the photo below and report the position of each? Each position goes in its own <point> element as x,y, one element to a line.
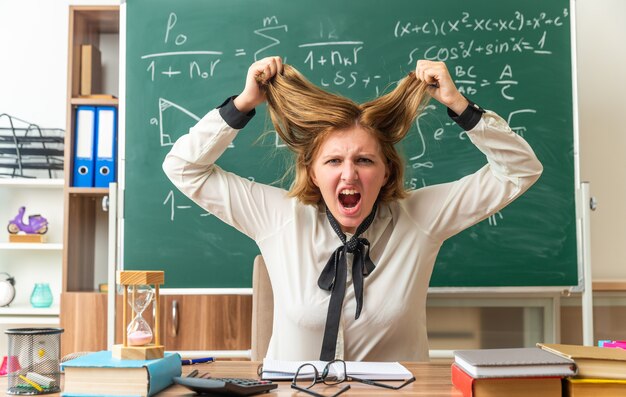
<point>31,263</point>
<point>83,309</point>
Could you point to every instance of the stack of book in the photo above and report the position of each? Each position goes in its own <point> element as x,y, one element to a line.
<point>601,370</point>
<point>518,372</point>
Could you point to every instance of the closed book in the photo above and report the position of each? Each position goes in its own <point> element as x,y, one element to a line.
<point>592,361</point>
<point>588,387</point>
<point>90,70</point>
<point>516,362</point>
<point>509,387</point>
<point>101,374</point>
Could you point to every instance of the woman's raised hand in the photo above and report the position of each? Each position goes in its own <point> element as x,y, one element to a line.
<point>258,73</point>
<point>441,87</point>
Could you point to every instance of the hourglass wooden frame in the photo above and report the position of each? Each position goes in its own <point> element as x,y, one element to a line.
<point>152,350</point>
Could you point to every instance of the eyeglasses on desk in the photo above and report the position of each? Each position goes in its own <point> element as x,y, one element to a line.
<point>334,373</point>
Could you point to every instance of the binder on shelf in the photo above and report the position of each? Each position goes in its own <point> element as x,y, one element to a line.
<point>106,132</point>
<point>84,161</point>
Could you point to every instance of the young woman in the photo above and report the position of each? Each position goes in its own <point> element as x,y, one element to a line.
<point>349,252</point>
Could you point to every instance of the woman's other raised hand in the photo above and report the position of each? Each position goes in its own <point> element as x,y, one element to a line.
<point>441,86</point>
<point>259,73</point>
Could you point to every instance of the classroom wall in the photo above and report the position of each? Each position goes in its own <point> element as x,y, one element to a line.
<point>33,74</point>
<point>601,87</point>
<point>33,60</point>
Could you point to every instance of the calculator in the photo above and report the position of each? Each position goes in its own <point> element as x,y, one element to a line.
<point>226,386</point>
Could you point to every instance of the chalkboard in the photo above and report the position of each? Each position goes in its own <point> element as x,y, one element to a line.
<point>185,57</point>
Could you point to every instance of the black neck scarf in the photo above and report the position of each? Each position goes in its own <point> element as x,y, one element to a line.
<point>334,277</point>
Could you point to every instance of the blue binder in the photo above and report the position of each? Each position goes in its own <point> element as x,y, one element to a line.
<point>106,147</point>
<point>84,161</point>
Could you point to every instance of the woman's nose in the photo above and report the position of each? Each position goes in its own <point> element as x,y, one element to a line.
<point>349,172</point>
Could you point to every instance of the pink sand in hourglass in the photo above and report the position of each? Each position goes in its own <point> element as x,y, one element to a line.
<point>139,338</point>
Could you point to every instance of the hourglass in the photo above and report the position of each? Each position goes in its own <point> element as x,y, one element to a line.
<point>137,335</point>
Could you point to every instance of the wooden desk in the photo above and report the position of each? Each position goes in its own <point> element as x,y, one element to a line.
<point>432,380</point>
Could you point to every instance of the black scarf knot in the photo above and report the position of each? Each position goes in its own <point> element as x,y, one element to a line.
<point>334,275</point>
<point>362,266</point>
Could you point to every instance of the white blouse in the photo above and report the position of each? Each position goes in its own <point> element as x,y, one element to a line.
<point>296,240</point>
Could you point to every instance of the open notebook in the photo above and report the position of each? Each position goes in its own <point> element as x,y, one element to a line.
<point>281,370</point>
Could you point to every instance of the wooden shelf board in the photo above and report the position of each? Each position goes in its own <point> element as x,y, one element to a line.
<point>27,310</point>
<point>88,191</point>
<point>95,101</point>
<point>32,183</point>
<point>28,315</point>
<point>31,246</point>
<point>30,320</point>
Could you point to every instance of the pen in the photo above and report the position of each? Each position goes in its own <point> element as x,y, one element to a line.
<point>191,361</point>
<point>30,382</point>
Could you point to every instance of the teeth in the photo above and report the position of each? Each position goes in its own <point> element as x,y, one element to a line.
<point>348,191</point>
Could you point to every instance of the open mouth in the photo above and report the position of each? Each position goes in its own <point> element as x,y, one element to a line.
<point>349,198</point>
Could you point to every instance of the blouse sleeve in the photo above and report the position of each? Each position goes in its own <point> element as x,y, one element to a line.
<point>512,167</point>
<point>252,208</point>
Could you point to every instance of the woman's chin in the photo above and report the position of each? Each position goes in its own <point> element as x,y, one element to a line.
<point>350,218</point>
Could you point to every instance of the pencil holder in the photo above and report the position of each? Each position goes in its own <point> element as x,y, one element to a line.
<point>33,361</point>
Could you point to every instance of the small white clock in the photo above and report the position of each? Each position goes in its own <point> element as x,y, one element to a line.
<point>7,289</point>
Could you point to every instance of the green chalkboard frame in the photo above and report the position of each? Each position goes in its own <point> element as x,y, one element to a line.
<point>524,72</point>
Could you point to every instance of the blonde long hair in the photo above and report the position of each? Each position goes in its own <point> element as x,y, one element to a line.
<point>304,114</point>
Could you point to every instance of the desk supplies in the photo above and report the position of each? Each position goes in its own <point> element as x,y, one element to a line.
<point>226,386</point>
<point>40,379</point>
<point>101,372</point>
<point>432,379</point>
<point>191,361</point>
<point>516,362</point>
<point>509,387</point>
<point>285,370</point>
<point>28,150</point>
<point>31,383</point>
<point>592,361</point>
<point>33,367</point>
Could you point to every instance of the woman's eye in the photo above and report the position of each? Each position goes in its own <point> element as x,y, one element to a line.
<point>365,160</point>
<point>333,161</point>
